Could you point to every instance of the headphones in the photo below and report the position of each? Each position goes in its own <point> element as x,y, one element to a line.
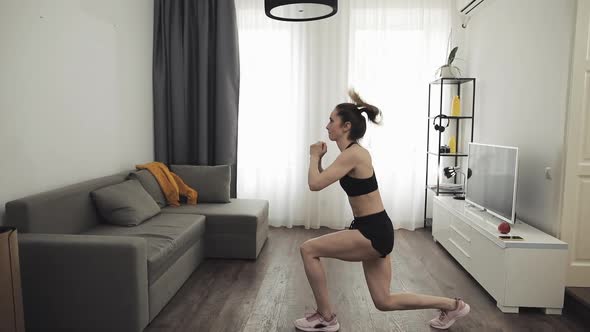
<point>439,127</point>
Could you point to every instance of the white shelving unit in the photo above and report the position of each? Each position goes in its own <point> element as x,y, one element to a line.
<point>516,273</point>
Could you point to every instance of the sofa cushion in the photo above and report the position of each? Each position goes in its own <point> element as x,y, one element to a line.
<point>150,184</point>
<point>168,236</point>
<point>238,216</point>
<point>125,203</point>
<point>211,182</point>
<point>67,210</point>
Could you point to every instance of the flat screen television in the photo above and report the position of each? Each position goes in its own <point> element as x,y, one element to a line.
<point>492,184</point>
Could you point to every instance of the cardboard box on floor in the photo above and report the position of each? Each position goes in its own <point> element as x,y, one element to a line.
<point>11,302</point>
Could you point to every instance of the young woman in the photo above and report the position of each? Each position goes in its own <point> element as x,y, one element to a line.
<point>369,238</point>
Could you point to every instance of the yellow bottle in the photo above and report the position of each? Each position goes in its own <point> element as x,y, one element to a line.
<point>453,144</point>
<point>456,106</point>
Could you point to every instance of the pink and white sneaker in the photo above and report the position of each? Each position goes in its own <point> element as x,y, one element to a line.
<point>314,321</point>
<point>446,318</point>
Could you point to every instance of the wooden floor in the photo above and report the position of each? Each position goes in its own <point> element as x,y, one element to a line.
<point>271,292</point>
<point>581,294</point>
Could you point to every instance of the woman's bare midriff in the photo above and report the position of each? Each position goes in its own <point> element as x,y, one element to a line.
<point>370,203</point>
<point>367,204</point>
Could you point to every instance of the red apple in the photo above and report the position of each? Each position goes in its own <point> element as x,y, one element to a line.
<point>504,227</point>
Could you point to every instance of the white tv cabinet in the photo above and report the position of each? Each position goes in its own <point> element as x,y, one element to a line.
<point>523,273</point>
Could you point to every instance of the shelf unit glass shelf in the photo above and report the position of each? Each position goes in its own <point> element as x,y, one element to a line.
<point>453,80</point>
<point>448,154</point>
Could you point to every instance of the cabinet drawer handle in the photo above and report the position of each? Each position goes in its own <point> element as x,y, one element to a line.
<point>459,247</point>
<point>460,233</point>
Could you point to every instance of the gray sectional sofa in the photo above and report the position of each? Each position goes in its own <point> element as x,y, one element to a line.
<point>80,273</point>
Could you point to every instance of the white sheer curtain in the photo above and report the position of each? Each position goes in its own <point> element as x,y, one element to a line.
<point>292,76</point>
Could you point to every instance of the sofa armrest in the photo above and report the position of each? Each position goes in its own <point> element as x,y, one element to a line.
<point>84,282</point>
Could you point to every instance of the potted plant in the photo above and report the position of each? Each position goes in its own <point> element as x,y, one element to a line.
<point>448,70</point>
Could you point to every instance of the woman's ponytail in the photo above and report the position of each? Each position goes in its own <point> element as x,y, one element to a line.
<point>372,111</point>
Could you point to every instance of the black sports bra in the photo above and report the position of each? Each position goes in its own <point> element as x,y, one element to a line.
<point>355,186</point>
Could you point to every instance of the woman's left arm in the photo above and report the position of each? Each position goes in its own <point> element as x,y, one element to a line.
<point>343,164</point>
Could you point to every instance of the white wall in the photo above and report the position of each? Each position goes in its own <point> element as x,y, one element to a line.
<point>75,91</point>
<point>520,53</point>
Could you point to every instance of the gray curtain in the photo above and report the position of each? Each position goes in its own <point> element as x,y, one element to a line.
<point>196,83</point>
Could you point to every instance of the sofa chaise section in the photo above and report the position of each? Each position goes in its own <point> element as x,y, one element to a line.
<point>237,229</point>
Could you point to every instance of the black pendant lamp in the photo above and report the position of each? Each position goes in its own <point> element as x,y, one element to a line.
<point>299,11</point>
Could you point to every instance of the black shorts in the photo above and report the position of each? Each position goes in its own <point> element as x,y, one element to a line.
<point>378,229</point>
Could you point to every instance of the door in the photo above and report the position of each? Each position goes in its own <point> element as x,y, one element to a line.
<point>575,214</point>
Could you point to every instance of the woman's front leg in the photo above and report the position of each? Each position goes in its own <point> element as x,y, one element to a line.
<point>317,280</point>
<point>347,245</point>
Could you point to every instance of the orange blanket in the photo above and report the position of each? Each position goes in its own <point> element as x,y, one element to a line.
<point>171,184</point>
